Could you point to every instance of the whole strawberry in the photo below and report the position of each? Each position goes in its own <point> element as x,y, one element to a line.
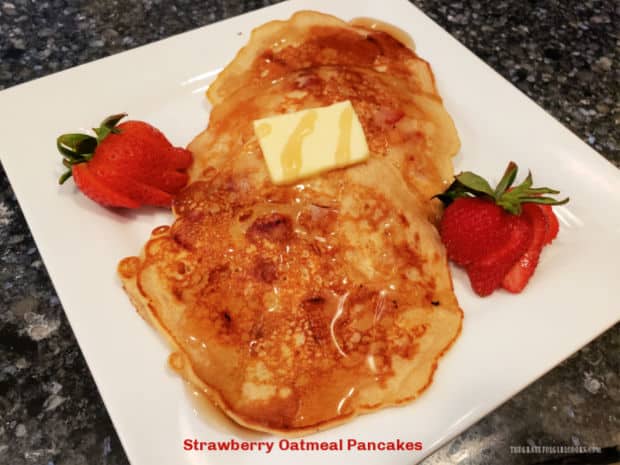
<point>497,234</point>
<point>125,165</point>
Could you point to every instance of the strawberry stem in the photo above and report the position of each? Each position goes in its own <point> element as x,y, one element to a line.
<point>468,184</point>
<point>66,175</point>
<point>507,179</point>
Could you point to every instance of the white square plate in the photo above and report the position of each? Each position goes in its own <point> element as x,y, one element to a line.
<point>507,341</point>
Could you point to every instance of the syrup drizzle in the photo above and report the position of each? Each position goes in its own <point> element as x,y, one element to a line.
<point>343,149</point>
<point>377,25</point>
<point>291,154</point>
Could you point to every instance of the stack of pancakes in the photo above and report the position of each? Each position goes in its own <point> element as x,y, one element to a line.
<point>294,308</point>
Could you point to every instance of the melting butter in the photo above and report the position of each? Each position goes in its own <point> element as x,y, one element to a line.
<point>308,142</point>
<point>262,130</point>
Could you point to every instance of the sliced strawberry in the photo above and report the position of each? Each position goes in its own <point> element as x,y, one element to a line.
<point>152,195</point>
<point>517,278</point>
<point>553,225</point>
<point>150,173</point>
<point>471,227</point>
<point>98,190</point>
<point>146,146</point>
<point>474,233</point>
<point>168,181</point>
<point>131,150</point>
<point>487,274</point>
<point>133,158</point>
<point>135,189</point>
<point>180,159</point>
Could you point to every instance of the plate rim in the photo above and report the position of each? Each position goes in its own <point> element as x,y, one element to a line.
<point>26,87</point>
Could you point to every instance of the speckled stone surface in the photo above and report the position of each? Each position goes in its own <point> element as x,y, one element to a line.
<point>563,54</point>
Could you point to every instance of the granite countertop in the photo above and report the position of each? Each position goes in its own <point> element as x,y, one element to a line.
<point>563,54</point>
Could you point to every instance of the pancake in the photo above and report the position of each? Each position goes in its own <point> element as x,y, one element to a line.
<point>295,308</point>
<point>315,60</point>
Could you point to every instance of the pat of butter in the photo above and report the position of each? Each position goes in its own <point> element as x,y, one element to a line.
<point>308,142</point>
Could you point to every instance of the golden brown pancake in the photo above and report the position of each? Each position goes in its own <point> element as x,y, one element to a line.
<point>294,308</point>
<point>315,60</point>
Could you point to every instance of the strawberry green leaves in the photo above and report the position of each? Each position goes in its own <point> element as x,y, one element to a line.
<point>468,184</point>
<point>79,148</point>
<point>108,126</point>
<point>75,148</point>
<point>507,179</point>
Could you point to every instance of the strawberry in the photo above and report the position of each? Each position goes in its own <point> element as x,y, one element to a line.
<point>472,226</point>
<point>98,191</point>
<point>487,273</point>
<point>521,272</point>
<point>125,165</point>
<point>553,225</point>
<point>496,234</point>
